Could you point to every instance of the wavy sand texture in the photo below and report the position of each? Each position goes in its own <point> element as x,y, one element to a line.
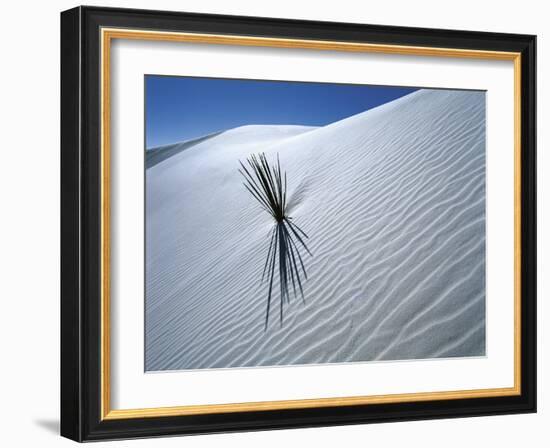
<point>394,202</point>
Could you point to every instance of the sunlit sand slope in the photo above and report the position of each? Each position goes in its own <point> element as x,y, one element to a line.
<point>393,201</point>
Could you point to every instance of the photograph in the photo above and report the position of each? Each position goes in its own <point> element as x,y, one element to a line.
<point>274,220</point>
<point>305,223</point>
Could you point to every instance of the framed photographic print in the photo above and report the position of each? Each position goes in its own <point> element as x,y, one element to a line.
<point>274,223</point>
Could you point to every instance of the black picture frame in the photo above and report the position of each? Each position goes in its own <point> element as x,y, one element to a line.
<point>81,415</point>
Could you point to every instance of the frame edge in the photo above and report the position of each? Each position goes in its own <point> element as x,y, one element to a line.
<point>71,378</point>
<point>529,222</point>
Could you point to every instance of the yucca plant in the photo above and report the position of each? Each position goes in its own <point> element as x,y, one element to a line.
<point>268,186</point>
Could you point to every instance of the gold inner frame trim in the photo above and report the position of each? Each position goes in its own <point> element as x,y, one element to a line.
<point>107,35</point>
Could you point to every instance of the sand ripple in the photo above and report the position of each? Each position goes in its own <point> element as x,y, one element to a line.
<point>394,202</point>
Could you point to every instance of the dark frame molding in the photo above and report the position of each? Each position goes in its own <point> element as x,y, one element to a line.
<point>80,223</point>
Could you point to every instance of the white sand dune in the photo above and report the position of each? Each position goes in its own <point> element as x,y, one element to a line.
<point>393,200</point>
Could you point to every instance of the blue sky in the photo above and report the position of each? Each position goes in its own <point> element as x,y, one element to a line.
<point>183,108</point>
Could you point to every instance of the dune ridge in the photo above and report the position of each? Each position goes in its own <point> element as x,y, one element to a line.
<point>393,200</point>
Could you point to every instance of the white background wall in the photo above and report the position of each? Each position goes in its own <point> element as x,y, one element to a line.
<point>29,236</point>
